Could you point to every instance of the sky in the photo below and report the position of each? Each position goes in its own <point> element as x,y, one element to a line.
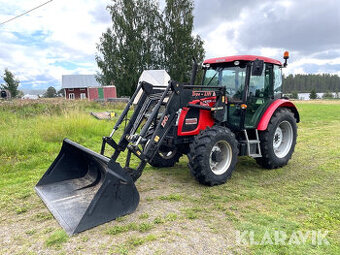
<point>60,37</point>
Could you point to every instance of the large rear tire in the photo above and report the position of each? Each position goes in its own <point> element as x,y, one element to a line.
<point>213,155</point>
<point>278,141</point>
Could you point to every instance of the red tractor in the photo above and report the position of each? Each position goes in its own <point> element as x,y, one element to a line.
<point>238,110</point>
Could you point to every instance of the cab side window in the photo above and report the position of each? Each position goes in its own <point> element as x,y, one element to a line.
<point>269,79</point>
<point>256,85</point>
<point>259,86</point>
<point>277,81</point>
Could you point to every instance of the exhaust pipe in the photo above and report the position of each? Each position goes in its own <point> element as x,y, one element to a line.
<point>193,71</point>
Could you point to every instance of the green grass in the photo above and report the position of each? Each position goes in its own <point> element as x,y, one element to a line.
<point>192,213</point>
<point>56,238</point>
<point>302,196</point>
<point>133,242</point>
<point>142,227</point>
<point>144,216</point>
<point>172,197</point>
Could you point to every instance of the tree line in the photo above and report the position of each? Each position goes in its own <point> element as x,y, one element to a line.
<point>144,37</point>
<point>311,82</point>
<point>12,83</point>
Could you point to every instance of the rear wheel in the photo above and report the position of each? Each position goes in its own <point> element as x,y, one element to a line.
<point>213,155</point>
<point>278,141</point>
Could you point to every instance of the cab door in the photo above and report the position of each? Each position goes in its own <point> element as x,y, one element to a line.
<point>260,94</point>
<point>234,94</point>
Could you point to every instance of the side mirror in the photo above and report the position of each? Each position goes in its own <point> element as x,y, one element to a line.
<point>257,67</point>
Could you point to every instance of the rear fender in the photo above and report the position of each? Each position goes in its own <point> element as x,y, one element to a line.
<point>264,121</point>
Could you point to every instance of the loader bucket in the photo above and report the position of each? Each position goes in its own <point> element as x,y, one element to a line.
<point>83,189</point>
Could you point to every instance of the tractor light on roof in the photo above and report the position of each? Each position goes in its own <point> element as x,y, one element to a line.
<point>285,57</point>
<point>236,63</point>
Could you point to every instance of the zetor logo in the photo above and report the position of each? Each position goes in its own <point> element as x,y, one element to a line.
<point>203,93</point>
<point>191,121</point>
<point>165,120</point>
<point>208,101</point>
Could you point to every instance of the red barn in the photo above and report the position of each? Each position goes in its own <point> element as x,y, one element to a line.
<point>82,86</point>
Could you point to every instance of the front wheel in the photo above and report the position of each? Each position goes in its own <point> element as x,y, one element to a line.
<point>213,155</point>
<point>166,156</point>
<point>278,141</point>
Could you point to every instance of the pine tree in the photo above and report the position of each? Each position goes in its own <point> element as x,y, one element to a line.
<point>312,94</point>
<point>11,83</point>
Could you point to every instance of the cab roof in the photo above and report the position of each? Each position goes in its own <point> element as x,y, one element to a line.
<point>241,57</point>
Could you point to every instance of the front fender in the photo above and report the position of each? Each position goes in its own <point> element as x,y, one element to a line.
<point>263,123</point>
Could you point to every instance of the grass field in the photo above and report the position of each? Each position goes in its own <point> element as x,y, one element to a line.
<point>176,215</point>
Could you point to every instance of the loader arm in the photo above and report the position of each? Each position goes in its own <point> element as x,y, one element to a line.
<point>148,115</point>
<point>145,115</point>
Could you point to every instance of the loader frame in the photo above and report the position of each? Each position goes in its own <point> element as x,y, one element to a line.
<point>173,97</point>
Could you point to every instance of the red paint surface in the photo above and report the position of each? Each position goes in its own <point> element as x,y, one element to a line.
<point>109,92</point>
<point>93,93</point>
<point>263,124</point>
<point>76,92</point>
<point>241,57</point>
<point>205,118</point>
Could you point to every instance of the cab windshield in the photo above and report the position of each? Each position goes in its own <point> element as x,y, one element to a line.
<point>232,78</point>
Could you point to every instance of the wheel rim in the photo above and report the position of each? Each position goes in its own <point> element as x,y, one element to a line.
<point>165,154</point>
<point>283,139</point>
<point>219,167</point>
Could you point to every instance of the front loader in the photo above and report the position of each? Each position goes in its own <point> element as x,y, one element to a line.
<point>237,111</point>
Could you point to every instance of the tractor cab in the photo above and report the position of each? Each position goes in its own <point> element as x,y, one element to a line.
<point>250,82</point>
